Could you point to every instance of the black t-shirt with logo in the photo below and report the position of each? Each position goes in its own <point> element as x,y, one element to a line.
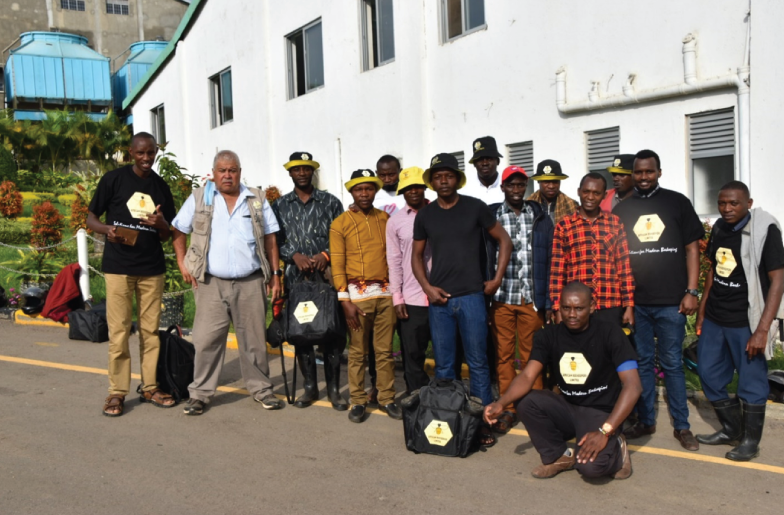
<point>728,301</point>
<point>455,235</point>
<point>585,364</point>
<point>658,228</point>
<point>114,191</point>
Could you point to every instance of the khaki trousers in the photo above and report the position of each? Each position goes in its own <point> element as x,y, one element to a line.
<point>219,303</point>
<point>514,328</point>
<point>120,291</point>
<point>379,319</point>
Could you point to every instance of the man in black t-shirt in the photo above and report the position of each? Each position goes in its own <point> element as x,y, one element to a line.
<point>595,368</point>
<point>456,288</point>
<point>742,298</point>
<point>663,233</point>
<point>139,206</point>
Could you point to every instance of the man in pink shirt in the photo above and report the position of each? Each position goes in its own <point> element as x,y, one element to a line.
<point>407,295</point>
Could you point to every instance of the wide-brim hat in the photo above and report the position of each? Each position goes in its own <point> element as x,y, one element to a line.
<point>362,176</point>
<point>411,176</point>
<point>622,163</point>
<point>549,170</point>
<point>444,161</point>
<point>484,147</point>
<point>301,159</point>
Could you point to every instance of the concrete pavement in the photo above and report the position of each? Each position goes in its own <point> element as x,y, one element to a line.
<point>58,454</point>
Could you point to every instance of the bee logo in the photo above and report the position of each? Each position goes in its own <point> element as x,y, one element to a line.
<point>548,170</point>
<point>617,162</point>
<point>438,429</point>
<point>478,146</point>
<point>305,157</point>
<point>142,202</point>
<point>573,364</point>
<point>648,224</point>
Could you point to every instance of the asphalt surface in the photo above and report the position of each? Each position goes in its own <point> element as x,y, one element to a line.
<point>59,455</point>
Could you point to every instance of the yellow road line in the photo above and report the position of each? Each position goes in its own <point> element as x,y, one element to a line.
<point>519,432</point>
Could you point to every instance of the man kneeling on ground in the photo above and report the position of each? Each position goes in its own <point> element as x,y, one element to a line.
<point>595,368</point>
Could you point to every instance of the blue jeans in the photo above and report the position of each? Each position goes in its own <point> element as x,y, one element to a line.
<point>669,326</point>
<point>469,314</point>
<point>721,351</point>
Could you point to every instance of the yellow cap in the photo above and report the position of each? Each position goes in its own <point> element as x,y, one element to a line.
<point>411,176</point>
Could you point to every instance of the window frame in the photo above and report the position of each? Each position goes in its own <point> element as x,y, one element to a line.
<point>371,55</point>
<point>156,118</point>
<point>291,64</point>
<point>117,7</point>
<point>78,5</point>
<point>217,113</point>
<point>602,169</point>
<point>463,21</point>
<point>717,151</point>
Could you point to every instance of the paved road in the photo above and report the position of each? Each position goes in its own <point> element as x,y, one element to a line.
<point>59,455</point>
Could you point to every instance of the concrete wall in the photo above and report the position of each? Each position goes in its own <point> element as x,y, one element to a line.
<point>109,34</point>
<point>437,97</point>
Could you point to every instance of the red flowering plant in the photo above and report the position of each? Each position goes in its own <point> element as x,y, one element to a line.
<point>47,225</point>
<point>10,200</point>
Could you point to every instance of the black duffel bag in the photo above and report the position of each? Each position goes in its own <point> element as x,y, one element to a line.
<point>89,325</point>
<point>175,363</point>
<point>442,419</point>
<point>312,315</point>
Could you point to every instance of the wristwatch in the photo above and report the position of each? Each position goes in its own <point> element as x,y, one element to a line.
<point>277,272</point>
<point>696,293</point>
<point>606,429</point>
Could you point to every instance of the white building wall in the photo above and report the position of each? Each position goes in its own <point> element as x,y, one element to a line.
<point>438,97</point>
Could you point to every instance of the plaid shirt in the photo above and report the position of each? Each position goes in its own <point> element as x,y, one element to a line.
<point>595,253</point>
<point>517,283</point>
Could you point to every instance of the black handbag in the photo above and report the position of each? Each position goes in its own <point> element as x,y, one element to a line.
<point>312,315</point>
<point>89,325</point>
<point>442,419</point>
<point>175,363</point>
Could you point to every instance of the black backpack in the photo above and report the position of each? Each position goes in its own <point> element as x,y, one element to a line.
<point>89,325</point>
<point>442,419</point>
<point>312,314</point>
<point>175,363</point>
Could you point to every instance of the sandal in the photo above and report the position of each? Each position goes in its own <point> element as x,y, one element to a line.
<point>506,421</point>
<point>486,437</point>
<point>113,405</point>
<point>157,398</point>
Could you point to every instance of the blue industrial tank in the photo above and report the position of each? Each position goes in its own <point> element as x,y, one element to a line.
<point>142,55</point>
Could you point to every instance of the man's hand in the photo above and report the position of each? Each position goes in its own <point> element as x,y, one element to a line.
<point>688,305</point>
<point>401,312</point>
<point>273,287</point>
<point>591,444</point>
<point>436,295</point>
<point>628,316</point>
<point>111,235</point>
<point>156,220</point>
<point>492,286</point>
<point>303,262</point>
<point>698,325</point>
<point>492,412</point>
<point>757,343</point>
<point>319,262</point>
<point>548,316</point>
<point>353,208</point>
<point>352,313</point>
<point>186,276</point>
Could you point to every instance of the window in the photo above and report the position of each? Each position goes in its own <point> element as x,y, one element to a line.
<point>601,146</point>
<point>378,33</point>
<point>712,155</point>
<point>461,17</point>
<point>221,101</point>
<point>522,155</point>
<point>72,5</point>
<point>460,156</point>
<point>117,7</point>
<point>2,80</point>
<point>159,124</point>
<point>305,59</point>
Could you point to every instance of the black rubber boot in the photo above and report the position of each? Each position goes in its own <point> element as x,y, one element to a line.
<point>729,414</point>
<point>332,375</point>
<point>753,420</point>
<point>307,364</point>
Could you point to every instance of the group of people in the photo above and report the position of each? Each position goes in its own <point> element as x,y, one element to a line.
<point>583,293</point>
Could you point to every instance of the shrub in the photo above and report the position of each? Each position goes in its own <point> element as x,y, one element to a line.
<point>47,225</point>
<point>14,233</point>
<point>7,165</point>
<point>66,198</point>
<point>10,200</point>
<point>79,212</point>
<point>273,194</point>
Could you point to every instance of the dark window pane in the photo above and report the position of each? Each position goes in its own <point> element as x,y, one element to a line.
<point>314,56</point>
<point>227,103</point>
<point>475,13</point>
<point>386,31</point>
<point>709,175</point>
<point>161,126</point>
<point>454,18</point>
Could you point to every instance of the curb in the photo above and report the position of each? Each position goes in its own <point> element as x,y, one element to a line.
<point>22,319</point>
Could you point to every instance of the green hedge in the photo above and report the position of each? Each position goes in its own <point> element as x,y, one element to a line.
<point>15,233</point>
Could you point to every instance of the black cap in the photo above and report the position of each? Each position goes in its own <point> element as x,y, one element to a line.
<point>622,163</point>
<point>549,170</point>
<point>445,161</point>
<point>484,147</point>
<point>361,176</point>
<point>301,159</point>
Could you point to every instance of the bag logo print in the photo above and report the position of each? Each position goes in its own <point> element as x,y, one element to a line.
<point>305,312</point>
<point>438,433</point>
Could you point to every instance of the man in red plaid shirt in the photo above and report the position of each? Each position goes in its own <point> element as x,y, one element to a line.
<point>590,246</point>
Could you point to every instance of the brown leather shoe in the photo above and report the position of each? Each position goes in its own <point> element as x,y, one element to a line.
<point>626,467</point>
<point>687,440</point>
<point>639,429</point>
<point>553,469</point>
